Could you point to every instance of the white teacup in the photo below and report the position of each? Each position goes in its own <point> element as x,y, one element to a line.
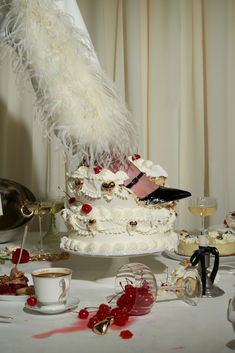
<point>52,286</point>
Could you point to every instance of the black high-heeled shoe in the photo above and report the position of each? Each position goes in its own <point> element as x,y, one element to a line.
<point>161,195</point>
<point>164,195</point>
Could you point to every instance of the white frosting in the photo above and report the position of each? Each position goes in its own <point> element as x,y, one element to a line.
<point>221,237</point>
<point>149,168</point>
<point>115,222</point>
<point>121,243</point>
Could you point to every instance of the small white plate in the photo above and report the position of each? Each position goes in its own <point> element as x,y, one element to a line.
<point>174,256</point>
<point>13,298</point>
<point>72,303</point>
<point>121,254</point>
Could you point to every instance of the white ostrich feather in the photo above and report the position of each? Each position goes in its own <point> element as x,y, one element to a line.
<point>75,99</point>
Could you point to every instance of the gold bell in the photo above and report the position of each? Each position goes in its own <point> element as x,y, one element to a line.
<point>101,327</point>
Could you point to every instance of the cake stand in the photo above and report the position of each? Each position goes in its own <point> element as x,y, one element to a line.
<point>117,261</point>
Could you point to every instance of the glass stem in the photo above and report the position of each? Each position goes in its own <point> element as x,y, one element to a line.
<point>40,233</point>
<point>202,225</point>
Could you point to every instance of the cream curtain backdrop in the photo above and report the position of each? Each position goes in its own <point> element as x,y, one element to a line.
<point>173,61</point>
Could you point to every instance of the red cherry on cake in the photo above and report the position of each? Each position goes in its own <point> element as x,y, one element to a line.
<point>24,257</point>
<point>97,169</point>
<point>226,224</point>
<point>136,156</point>
<point>72,200</point>
<point>86,208</point>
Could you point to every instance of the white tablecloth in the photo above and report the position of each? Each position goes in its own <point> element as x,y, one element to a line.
<point>171,326</point>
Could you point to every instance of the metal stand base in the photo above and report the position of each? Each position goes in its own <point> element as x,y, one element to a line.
<point>212,291</point>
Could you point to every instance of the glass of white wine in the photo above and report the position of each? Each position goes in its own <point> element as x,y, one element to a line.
<point>42,208</point>
<point>202,206</point>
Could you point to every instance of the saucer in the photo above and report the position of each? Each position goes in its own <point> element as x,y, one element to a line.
<point>71,303</point>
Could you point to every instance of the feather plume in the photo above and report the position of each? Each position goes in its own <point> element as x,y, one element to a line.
<point>74,97</point>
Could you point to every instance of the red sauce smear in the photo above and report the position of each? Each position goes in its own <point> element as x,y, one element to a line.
<point>81,325</point>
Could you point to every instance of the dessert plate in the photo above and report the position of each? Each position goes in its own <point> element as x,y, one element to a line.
<point>121,254</point>
<point>174,256</point>
<point>72,303</point>
<point>13,298</point>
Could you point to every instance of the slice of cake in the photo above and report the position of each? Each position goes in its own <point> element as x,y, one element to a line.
<point>224,241</point>
<point>106,217</point>
<point>187,244</point>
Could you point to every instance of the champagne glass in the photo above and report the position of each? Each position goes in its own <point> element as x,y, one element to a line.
<point>184,283</point>
<point>52,236</point>
<point>202,206</point>
<point>42,208</point>
<point>136,284</point>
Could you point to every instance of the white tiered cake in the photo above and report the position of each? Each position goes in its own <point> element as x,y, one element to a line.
<point>106,217</point>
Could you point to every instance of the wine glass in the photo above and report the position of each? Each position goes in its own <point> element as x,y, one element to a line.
<point>202,206</point>
<point>137,283</point>
<point>136,287</point>
<point>42,208</point>
<point>185,283</point>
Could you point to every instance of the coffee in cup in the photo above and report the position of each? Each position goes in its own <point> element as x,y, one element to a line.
<point>52,285</point>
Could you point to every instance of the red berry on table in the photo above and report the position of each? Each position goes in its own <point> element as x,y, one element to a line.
<point>101,315</point>
<point>93,320</point>
<point>104,307</point>
<point>32,301</point>
<point>128,307</point>
<point>24,257</point>
<point>136,156</point>
<point>126,334</point>
<point>121,320</point>
<point>115,312</point>
<point>233,214</point>
<point>97,169</point>
<point>103,311</point>
<point>83,314</point>
<point>72,200</point>
<point>86,208</point>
